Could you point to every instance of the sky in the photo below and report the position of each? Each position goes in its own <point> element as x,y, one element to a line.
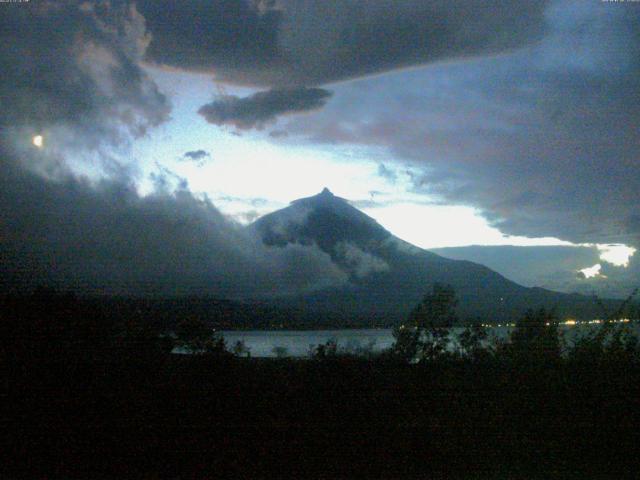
<point>139,137</point>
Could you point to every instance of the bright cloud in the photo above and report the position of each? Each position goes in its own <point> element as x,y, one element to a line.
<point>616,254</point>
<point>434,226</point>
<point>592,272</point>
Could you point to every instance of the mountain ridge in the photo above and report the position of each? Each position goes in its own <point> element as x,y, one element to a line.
<point>388,276</point>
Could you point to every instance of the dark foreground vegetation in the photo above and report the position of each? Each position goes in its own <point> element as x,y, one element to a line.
<point>88,395</point>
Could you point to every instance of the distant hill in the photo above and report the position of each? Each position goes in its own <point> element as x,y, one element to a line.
<point>555,267</point>
<point>388,276</point>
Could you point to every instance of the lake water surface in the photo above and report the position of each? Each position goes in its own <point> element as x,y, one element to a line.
<point>298,343</point>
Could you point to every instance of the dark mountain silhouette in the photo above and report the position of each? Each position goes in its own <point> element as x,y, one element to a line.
<point>388,276</point>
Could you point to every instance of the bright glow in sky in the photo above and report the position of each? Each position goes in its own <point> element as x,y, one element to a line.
<point>592,272</point>
<point>249,174</point>
<point>616,254</point>
<point>257,169</point>
<point>435,226</point>
<point>38,141</point>
<point>252,176</point>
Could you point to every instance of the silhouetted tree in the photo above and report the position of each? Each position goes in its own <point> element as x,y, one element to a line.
<point>136,339</point>
<point>536,336</point>
<point>196,336</point>
<point>326,350</point>
<point>240,349</point>
<point>610,342</point>
<point>472,341</point>
<point>407,341</point>
<point>434,316</point>
<point>280,351</point>
<point>427,334</point>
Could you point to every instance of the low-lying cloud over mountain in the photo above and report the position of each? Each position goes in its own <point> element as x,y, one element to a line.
<point>388,277</point>
<point>71,76</point>
<point>105,238</point>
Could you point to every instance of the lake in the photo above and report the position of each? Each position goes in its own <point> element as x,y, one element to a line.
<point>298,343</point>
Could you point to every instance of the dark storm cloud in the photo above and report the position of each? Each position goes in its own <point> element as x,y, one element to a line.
<point>290,44</point>
<point>278,134</point>
<point>71,73</point>
<point>543,140</point>
<point>261,108</point>
<point>166,180</point>
<point>312,42</point>
<point>76,65</point>
<point>230,35</point>
<point>105,238</point>
<point>199,157</point>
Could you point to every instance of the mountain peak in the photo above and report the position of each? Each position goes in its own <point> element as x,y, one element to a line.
<point>324,198</point>
<point>324,218</point>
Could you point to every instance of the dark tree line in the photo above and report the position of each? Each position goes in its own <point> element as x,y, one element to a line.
<point>89,393</point>
<point>428,336</point>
